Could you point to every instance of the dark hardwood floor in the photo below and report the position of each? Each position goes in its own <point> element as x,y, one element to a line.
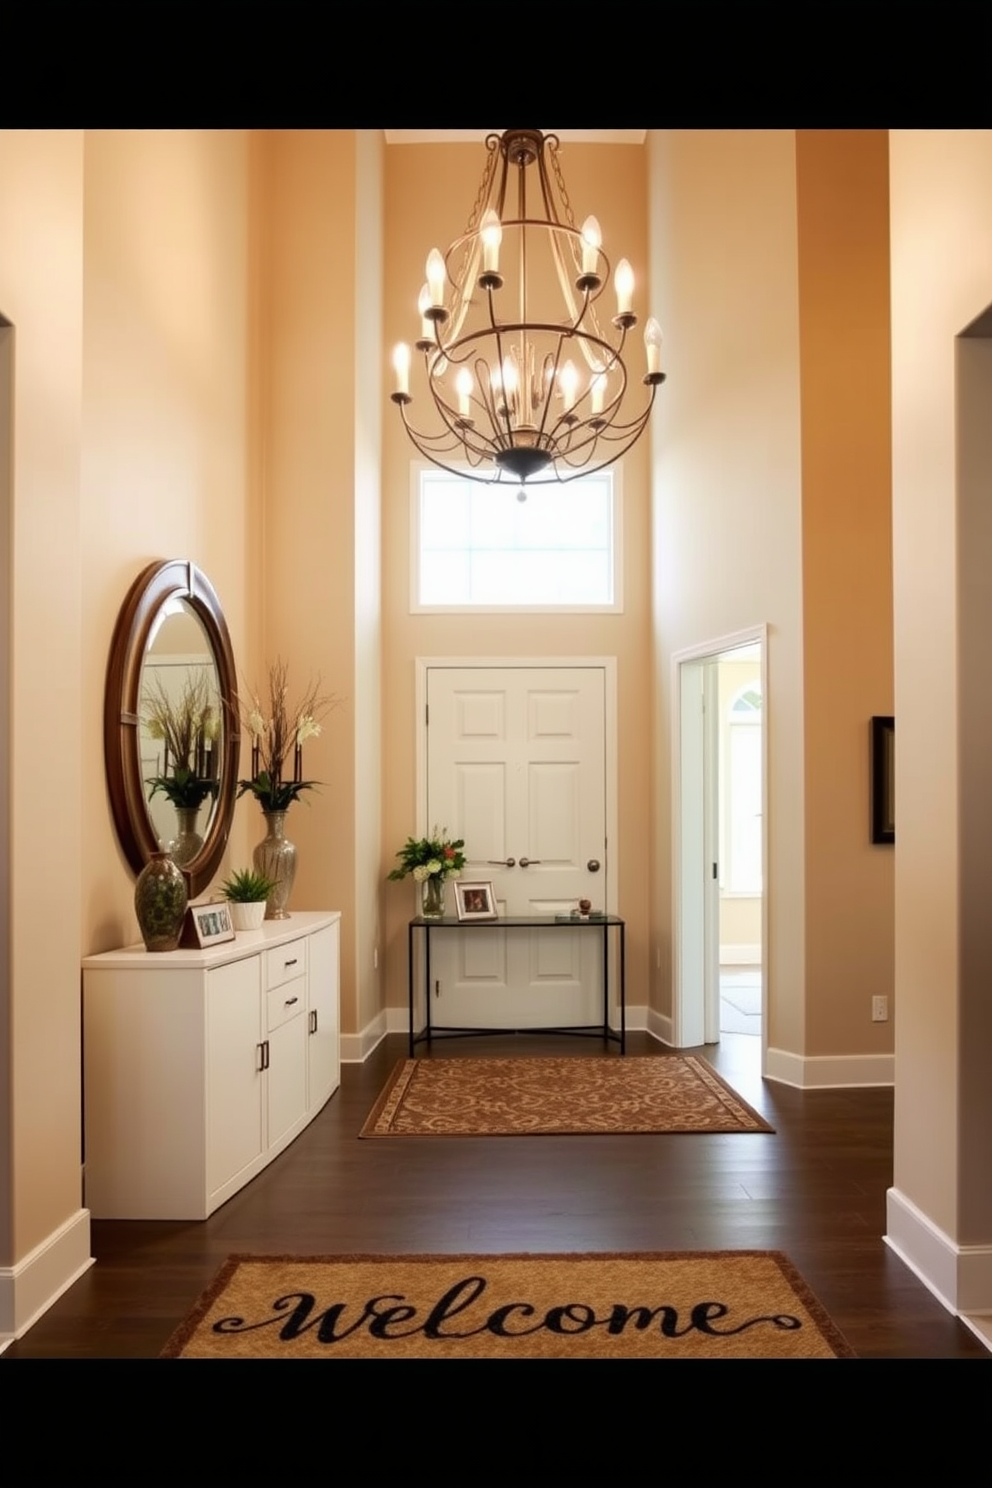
<point>815,1189</point>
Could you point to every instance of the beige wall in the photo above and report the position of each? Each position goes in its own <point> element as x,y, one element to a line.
<point>727,517</point>
<point>771,504</point>
<point>844,369</point>
<point>169,451</point>
<point>941,211</point>
<point>41,295</point>
<point>430,191</point>
<point>320,524</point>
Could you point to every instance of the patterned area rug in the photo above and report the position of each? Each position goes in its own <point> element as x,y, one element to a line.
<point>561,1095</point>
<point>746,1304</point>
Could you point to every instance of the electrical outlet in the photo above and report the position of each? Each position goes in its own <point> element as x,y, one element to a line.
<point>880,1010</point>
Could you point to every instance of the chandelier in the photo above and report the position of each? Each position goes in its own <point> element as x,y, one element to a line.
<point>522,393</point>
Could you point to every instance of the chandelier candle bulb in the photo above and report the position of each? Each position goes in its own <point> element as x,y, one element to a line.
<point>598,390</point>
<point>492,236</point>
<point>569,380</point>
<point>463,387</point>
<point>592,240</point>
<point>624,280</point>
<point>426,324</point>
<point>435,282</point>
<point>652,342</point>
<point>401,366</point>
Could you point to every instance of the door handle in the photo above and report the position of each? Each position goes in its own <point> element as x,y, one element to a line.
<point>526,862</point>
<point>498,862</point>
<point>593,865</point>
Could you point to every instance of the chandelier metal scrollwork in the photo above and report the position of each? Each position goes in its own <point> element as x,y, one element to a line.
<point>519,396</point>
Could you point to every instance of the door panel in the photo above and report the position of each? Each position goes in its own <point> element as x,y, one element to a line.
<point>516,766</point>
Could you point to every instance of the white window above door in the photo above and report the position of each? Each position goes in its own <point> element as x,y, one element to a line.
<point>481,548</point>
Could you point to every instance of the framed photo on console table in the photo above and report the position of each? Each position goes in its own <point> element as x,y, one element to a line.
<point>207,925</point>
<point>475,901</point>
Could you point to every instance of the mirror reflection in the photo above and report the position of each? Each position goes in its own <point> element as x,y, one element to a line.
<point>180,735</point>
<point>171,722</point>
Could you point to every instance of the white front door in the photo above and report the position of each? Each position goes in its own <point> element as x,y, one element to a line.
<point>517,767</point>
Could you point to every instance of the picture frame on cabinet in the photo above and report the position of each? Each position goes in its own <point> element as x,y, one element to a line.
<point>207,925</point>
<point>475,901</point>
<point>883,779</point>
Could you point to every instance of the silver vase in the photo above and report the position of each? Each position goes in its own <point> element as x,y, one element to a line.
<point>187,842</point>
<point>275,857</point>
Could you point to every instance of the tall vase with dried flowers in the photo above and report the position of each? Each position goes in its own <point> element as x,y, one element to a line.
<point>188,727</point>
<point>278,731</point>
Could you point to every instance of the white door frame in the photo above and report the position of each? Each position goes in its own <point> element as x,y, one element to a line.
<point>531,663</point>
<point>695,925</point>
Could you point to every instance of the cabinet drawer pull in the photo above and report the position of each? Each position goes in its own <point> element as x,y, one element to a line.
<point>290,963</point>
<point>313,1021</point>
<point>263,1050</point>
<point>289,1001</point>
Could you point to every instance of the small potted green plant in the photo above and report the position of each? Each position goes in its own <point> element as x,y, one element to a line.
<point>247,892</point>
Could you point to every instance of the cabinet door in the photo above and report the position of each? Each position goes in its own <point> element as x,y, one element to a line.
<point>324,1016</point>
<point>286,1077</point>
<point>235,1135</point>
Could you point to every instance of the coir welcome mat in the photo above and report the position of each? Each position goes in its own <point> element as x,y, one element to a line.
<point>544,1096</point>
<point>745,1304</point>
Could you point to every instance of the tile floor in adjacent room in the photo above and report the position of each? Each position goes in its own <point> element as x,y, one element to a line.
<point>740,999</point>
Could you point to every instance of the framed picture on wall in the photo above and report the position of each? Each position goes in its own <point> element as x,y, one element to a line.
<point>883,779</point>
<point>475,901</point>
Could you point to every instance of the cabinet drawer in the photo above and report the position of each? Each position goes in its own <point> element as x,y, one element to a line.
<point>283,963</point>
<point>285,1002</point>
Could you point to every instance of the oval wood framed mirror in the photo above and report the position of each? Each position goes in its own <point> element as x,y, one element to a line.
<point>170,658</point>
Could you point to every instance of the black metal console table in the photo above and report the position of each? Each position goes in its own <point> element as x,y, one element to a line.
<point>603,923</point>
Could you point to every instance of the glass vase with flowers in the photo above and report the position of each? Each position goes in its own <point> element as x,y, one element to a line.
<point>431,861</point>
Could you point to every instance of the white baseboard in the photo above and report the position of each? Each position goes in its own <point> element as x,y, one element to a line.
<point>980,1325</point>
<point>659,1026</point>
<point>356,1047</point>
<point>29,1288</point>
<point>960,1276</point>
<point>829,1071</point>
<point>740,955</point>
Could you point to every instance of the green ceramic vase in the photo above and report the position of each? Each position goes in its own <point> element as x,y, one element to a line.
<point>160,900</point>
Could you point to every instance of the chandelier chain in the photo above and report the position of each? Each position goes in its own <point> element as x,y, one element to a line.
<point>556,167</point>
<point>482,195</point>
<point>470,251</point>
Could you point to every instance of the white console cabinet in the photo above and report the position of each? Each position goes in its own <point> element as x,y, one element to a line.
<point>199,1067</point>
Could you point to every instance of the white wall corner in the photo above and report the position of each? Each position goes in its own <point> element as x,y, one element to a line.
<point>635,1018</point>
<point>830,1071</point>
<point>356,1047</point>
<point>960,1276</point>
<point>29,1288</point>
<point>659,1026</point>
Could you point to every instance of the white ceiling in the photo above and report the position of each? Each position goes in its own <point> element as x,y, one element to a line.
<point>476,136</point>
